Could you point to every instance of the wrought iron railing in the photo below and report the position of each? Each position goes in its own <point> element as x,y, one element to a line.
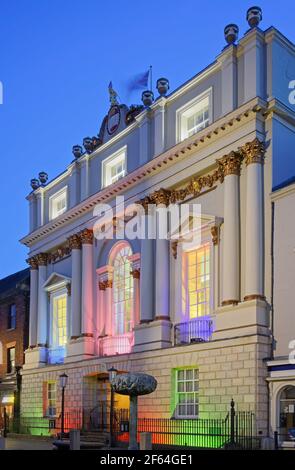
<point>199,330</point>
<point>236,431</point>
<point>117,344</point>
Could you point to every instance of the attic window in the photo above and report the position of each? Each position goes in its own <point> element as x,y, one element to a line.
<point>114,167</point>
<point>58,203</point>
<point>194,116</point>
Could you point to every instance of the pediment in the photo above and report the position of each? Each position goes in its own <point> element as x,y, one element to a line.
<point>56,280</point>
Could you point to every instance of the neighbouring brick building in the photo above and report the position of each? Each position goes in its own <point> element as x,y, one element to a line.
<point>14,333</point>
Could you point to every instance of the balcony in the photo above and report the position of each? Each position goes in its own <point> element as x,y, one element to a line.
<point>195,331</point>
<point>117,344</point>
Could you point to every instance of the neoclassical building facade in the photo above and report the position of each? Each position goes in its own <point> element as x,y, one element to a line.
<point>199,319</point>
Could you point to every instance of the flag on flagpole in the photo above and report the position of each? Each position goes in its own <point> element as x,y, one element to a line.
<point>138,82</point>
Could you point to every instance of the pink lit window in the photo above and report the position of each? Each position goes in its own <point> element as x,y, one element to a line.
<point>122,292</point>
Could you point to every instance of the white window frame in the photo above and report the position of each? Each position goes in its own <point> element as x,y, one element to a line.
<point>195,392</point>
<point>187,110</point>
<point>109,162</point>
<point>53,200</point>
<point>53,296</point>
<point>51,411</point>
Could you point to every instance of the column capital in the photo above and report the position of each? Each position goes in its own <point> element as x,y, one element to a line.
<point>42,259</point>
<point>75,242</point>
<point>33,262</point>
<point>231,163</point>
<point>253,152</point>
<point>86,236</point>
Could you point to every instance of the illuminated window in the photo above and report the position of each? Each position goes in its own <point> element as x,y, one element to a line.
<point>114,167</point>
<point>194,116</point>
<point>187,393</point>
<point>12,317</point>
<point>59,320</point>
<point>10,360</point>
<point>51,399</point>
<point>198,281</point>
<point>122,292</point>
<point>58,203</point>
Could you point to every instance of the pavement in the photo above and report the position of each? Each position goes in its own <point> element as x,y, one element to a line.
<point>12,443</point>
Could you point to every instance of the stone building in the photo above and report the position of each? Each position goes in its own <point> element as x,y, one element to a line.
<point>14,337</point>
<point>197,318</point>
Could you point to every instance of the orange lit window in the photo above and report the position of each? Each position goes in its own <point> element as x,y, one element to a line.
<point>198,281</point>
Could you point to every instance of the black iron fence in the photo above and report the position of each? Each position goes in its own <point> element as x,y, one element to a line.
<point>236,430</point>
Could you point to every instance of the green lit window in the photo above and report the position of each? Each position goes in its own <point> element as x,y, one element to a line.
<point>187,393</point>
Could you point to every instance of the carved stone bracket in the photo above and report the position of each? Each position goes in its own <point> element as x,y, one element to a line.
<point>215,234</point>
<point>174,246</point>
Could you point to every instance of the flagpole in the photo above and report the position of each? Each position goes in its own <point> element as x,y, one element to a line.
<point>151,77</point>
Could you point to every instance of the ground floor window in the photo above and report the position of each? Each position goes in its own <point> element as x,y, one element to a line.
<point>187,393</point>
<point>287,413</point>
<point>49,399</point>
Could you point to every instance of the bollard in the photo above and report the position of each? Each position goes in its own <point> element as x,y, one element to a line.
<point>145,441</point>
<point>2,443</point>
<point>74,439</point>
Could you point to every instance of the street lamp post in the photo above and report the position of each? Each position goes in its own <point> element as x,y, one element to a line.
<point>112,374</point>
<point>63,380</point>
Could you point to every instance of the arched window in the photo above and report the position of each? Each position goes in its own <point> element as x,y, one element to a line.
<point>122,291</point>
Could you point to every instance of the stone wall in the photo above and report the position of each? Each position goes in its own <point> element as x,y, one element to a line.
<point>227,369</point>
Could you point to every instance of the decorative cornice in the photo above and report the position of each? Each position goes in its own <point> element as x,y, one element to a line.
<point>253,152</point>
<point>164,160</point>
<point>75,242</point>
<point>86,236</point>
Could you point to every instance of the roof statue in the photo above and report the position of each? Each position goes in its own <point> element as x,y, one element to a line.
<point>113,95</point>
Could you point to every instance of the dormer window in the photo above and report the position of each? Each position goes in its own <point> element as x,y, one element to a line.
<point>114,167</point>
<point>194,116</point>
<point>58,203</point>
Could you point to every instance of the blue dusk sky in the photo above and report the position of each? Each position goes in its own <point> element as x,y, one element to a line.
<point>56,60</point>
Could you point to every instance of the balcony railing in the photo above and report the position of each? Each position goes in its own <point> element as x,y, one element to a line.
<point>199,330</point>
<point>117,344</point>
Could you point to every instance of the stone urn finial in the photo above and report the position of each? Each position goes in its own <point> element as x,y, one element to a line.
<point>162,86</point>
<point>35,183</point>
<point>43,177</point>
<point>254,16</point>
<point>133,384</point>
<point>147,97</point>
<point>77,151</point>
<point>231,32</point>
